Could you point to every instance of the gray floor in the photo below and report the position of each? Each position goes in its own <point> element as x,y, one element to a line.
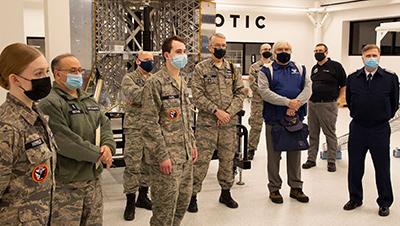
<point>327,192</point>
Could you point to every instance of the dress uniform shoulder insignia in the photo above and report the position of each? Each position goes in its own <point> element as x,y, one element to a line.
<point>357,72</point>
<point>173,114</point>
<point>389,71</point>
<point>40,173</point>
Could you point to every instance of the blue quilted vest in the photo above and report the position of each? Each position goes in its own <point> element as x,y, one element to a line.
<point>288,82</point>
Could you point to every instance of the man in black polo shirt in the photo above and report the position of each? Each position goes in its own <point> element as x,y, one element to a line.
<point>373,98</point>
<point>328,83</point>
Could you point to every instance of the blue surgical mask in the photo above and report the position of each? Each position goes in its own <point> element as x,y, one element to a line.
<point>179,61</point>
<point>371,62</point>
<point>74,81</point>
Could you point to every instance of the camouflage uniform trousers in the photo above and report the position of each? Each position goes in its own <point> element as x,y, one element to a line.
<point>170,194</point>
<point>209,139</point>
<point>78,203</point>
<point>136,171</point>
<point>255,121</point>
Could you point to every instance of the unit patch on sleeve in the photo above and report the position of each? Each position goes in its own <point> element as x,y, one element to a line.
<point>40,173</point>
<point>173,114</point>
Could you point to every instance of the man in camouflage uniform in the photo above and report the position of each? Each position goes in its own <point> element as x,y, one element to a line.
<point>75,118</point>
<point>136,170</point>
<point>256,118</point>
<point>168,137</point>
<point>27,146</point>
<point>218,94</point>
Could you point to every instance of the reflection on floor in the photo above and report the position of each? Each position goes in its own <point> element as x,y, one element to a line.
<point>327,192</point>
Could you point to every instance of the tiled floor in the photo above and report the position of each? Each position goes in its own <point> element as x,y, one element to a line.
<point>327,192</point>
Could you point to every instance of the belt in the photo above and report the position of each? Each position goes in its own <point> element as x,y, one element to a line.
<point>323,101</point>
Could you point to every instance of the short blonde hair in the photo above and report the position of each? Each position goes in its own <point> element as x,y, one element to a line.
<point>14,59</point>
<point>369,47</point>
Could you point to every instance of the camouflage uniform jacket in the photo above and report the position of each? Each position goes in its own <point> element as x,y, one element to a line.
<point>74,122</point>
<point>132,88</point>
<point>27,164</point>
<point>253,80</point>
<point>215,88</point>
<point>167,131</point>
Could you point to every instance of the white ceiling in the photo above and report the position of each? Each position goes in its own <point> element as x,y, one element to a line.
<point>301,3</point>
<point>304,5</point>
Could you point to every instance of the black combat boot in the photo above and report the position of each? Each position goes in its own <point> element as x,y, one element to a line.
<point>193,205</point>
<point>227,199</point>
<point>143,200</point>
<point>129,213</point>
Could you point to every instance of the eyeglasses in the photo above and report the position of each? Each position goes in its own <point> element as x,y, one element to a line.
<point>74,70</point>
<point>319,51</point>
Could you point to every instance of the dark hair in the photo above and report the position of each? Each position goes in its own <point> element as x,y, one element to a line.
<point>369,47</point>
<point>14,59</point>
<point>322,44</point>
<point>167,44</point>
<point>56,61</point>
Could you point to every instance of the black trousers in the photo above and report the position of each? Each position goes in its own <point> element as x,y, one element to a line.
<point>377,140</point>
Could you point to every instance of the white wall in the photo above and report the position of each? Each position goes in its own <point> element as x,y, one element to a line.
<point>34,18</point>
<point>294,27</point>
<point>336,35</point>
<point>57,28</point>
<point>12,28</point>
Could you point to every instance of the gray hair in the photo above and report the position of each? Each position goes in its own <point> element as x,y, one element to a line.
<point>219,35</point>
<point>55,63</point>
<point>279,44</point>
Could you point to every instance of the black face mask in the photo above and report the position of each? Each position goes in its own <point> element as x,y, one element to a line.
<point>267,54</point>
<point>319,56</point>
<point>219,53</point>
<point>147,65</point>
<point>40,88</point>
<point>283,57</point>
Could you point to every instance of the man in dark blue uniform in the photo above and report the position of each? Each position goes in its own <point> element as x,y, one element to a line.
<point>372,95</point>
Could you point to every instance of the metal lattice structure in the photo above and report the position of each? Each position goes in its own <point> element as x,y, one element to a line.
<point>109,31</point>
<point>120,23</point>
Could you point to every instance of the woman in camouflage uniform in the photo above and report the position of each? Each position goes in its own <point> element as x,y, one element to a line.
<point>27,147</point>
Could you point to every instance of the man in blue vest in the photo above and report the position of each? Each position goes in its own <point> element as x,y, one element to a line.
<point>285,93</point>
<point>372,95</point>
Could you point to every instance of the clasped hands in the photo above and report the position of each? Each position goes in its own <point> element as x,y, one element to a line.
<point>294,105</point>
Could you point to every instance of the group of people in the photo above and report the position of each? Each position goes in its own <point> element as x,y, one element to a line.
<point>55,139</point>
<point>161,148</point>
<point>54,142</point>
<point>371,93</point>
